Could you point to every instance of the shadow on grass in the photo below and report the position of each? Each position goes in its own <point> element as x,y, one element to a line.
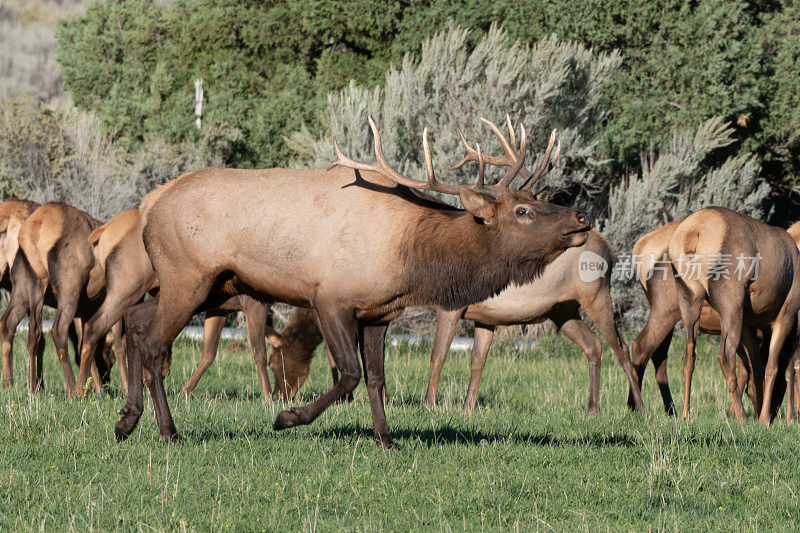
<point>429,437</point>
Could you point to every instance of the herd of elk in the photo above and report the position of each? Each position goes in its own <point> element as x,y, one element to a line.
<point>353,245</point>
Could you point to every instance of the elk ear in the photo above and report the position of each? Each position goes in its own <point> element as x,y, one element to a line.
<point>274,338</point>
<point>543,195</point>
<point>479,205</point>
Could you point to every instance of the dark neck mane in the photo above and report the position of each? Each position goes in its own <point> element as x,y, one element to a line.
<point>452,261</point>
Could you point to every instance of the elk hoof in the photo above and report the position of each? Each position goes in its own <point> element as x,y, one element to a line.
<point>387,443</point>
<point>173,438</point>
<point>286,419</point>
<point>120,434</point>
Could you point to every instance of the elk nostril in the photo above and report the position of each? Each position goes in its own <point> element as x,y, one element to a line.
<point>583,218</point>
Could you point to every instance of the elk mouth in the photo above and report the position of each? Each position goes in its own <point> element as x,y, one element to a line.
<point>576,237</point>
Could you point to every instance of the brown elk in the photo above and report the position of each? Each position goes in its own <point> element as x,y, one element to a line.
<point>128,276</point>
<point>56,267</point>
<point>13,213</point>
<point>654,272</point>
<point>356,251</point>
<point>764,293</point>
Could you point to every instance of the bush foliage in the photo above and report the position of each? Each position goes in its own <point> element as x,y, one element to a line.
<point>268,66</point>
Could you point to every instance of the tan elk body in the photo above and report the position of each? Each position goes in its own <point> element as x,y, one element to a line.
<point>13,213</point>
<point>355,244</point>
<point>655,274</point>
<point>57,267</point>
<point>128,275</point>
<point>766,299</point>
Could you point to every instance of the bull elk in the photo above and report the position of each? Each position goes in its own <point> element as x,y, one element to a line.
<point>762,294</point>
<point>357,251</point>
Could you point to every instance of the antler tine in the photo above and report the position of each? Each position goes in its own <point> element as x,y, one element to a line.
<point>511,154</point>
<point>547,162</point>
<point>472,155</point>
<point>481,166</point>
<point>511,132</point>
<point>512,172</point>
<point>381,166</point>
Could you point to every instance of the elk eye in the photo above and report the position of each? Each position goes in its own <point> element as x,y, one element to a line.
<point>521,212</point>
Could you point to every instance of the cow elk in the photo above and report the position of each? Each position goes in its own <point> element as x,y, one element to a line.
<point>557,295</point>
<point>654,272</point>
<point>56,267</point>
<point>354,242</point>
<point>762,292</point>
<point>128,276</point>
<point>13,213</point>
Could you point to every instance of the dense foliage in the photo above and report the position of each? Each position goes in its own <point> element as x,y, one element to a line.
<point>268,66</point>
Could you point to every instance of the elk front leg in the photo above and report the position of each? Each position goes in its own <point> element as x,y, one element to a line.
<point>373,346</point>
<point>136,320</point>
<point>121,356</point>
<point>446,325</point>
<point>340,331</point>
<point>212,329</point>
<point>750,372</point>
<point>480,350</point>
<point>335,377</point>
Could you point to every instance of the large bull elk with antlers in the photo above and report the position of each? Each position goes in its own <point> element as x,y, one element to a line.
<point>764,293</point>
<point>353,241</point>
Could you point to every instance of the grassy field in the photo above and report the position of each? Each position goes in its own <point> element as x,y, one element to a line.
<point>530,458</point>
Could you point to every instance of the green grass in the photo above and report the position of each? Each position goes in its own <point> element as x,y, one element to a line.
<point>531,457</point>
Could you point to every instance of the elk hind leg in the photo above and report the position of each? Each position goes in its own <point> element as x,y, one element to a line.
<point>340,331</point>
<point>578,332</point>
<point>690,303</point>
<point>601,310</point>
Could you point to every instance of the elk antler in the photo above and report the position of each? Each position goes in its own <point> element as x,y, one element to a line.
<point>514,156</point>
<point>381,166</point>
<point>547,163</point>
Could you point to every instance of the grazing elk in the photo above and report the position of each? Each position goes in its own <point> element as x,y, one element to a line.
<point>654,272</point>
<point>292,350</point>
<point>355,250</point>
<point>13,213</point>
<point>56,267</point>
<point>128,276</point>
<point>763,292</point>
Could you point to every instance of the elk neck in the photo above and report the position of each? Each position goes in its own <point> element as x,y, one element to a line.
<point>452,260</point>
